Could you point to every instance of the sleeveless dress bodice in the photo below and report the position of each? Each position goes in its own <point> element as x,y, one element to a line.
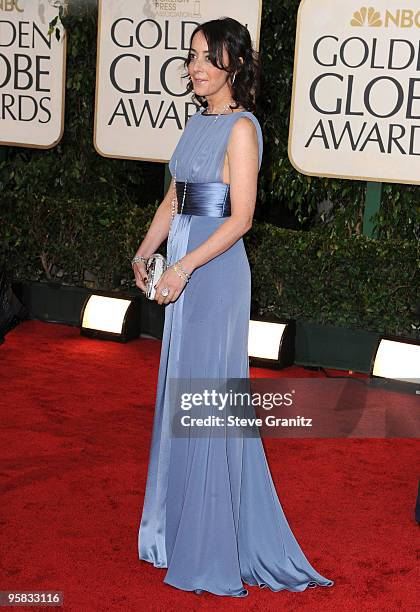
<point>200,152</point>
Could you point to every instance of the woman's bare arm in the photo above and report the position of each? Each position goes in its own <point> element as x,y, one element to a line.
<point>159,228</point>
<point>156,234</point>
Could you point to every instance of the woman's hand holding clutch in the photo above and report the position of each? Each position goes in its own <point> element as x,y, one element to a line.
<point>172,285</point>
<point>140,273</point>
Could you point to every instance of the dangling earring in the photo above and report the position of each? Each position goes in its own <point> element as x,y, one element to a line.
<point>234,77</point>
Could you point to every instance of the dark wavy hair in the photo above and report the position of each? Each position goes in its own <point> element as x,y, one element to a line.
<point>235,38</point>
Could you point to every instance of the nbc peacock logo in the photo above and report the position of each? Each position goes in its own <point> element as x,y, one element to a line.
<point>367,17</point>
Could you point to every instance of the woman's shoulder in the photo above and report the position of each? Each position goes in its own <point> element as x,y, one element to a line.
<point>250,115</point>
<point>244,121</point>
<point>246,118</point>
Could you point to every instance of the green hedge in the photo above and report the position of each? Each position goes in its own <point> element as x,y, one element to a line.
<point>72,241</point>
<point>356,282</point>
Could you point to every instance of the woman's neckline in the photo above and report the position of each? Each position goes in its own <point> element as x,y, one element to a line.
<point>221,114</point>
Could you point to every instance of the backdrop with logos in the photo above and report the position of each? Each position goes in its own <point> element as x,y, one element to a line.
<point>32,75</point>
<point>141,104</point>
<point>356,92</point>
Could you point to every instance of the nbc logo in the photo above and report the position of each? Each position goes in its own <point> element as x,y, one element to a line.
<point>367,16</point>
<point>10,5</point>
<point>401,18</point>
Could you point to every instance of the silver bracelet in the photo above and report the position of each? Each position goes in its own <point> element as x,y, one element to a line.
<point>187,274</point>
<point>138,258</point>
<point>180,274</point>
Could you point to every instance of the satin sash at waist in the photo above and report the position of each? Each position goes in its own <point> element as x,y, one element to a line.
<point>204,199</point>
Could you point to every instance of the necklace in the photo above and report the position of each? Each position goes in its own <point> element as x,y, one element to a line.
<point>226,107</point>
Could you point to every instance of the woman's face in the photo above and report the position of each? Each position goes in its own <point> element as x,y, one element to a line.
<point>207,79</point>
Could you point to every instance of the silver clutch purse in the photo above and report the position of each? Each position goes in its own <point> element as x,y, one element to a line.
<point>155,267</point>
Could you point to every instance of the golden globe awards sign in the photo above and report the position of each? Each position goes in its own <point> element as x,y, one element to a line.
<point>141,102</point>
<point>356,92</point>
<point>32,75</point>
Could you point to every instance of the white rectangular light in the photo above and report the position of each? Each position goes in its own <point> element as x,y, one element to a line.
<point>105,313</point>
<point>397,360</point>
<point>264,339</point>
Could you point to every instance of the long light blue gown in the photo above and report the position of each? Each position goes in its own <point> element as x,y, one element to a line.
<point>211,513</point>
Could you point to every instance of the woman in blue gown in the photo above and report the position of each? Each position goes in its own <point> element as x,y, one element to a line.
<point>211,514</point>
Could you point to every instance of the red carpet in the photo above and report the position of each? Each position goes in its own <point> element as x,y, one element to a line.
<point>77,416</point>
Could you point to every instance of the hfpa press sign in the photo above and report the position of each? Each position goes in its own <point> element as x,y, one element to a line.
<point>356,91</point>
